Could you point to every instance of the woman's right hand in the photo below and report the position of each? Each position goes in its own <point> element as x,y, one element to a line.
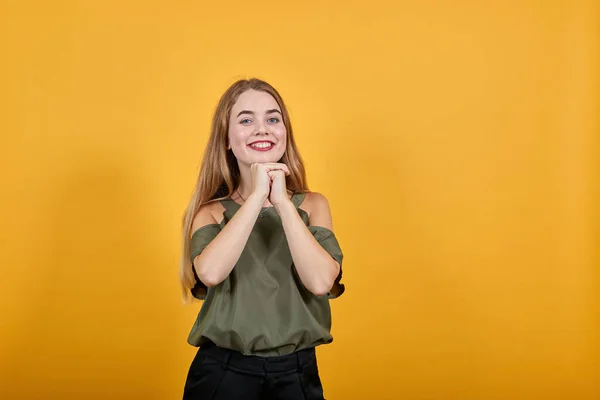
<point>261,181</point>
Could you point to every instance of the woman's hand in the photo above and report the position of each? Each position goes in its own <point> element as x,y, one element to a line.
<point>278,187</point>
<point>265,181</point>
<point>276,173</point>
<point>261,182</point>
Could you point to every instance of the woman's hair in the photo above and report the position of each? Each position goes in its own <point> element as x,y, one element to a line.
<point>219,173</point>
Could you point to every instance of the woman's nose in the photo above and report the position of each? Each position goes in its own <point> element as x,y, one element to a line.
<point>261,128</point>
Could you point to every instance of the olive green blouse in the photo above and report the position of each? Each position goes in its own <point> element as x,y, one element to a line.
<point>262,307</point>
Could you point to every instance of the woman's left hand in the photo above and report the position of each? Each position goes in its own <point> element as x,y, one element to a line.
<point>278,193</point>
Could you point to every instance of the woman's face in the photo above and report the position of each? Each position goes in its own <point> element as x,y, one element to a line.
<point>256,130</point>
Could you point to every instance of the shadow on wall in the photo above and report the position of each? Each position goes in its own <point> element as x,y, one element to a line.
<point>97,287</point>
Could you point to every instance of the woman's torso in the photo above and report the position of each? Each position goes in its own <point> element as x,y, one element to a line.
<point>262,307</point>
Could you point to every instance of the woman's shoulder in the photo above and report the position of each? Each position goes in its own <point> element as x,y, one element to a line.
<point>208,213</point>
<point>314,198</point>
<point>314,202</point>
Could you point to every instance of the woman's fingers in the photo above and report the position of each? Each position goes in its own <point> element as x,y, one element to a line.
<point>277,166</point>
<point>261,180</point>
<point>273,174</point>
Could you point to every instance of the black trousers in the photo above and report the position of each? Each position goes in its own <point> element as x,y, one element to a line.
<point>221,374</point>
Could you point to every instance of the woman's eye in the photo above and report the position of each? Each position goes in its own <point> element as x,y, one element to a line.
<point>274,120</point>
<point>245,120</point>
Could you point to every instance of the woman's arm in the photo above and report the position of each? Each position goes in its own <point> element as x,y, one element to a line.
<point>219,257</point>
<point>316,268</point>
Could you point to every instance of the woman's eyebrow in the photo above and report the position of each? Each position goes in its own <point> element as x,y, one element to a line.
<point>245,112</point>
<point>252,112</point>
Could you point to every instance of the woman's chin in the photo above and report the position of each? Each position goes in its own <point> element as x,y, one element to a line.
<point>265,159</point>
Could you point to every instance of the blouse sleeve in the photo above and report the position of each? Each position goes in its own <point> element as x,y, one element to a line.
<point>328,241</point>
<point>200,239</point>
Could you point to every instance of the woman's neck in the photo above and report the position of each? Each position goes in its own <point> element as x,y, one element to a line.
<point>245,187</point>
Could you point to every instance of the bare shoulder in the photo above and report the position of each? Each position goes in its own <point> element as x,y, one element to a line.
<point>316,206</point>
<point>209,213</point>
<point>314,200</point>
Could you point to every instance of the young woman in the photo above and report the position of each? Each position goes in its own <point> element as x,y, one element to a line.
<point>259,249</point>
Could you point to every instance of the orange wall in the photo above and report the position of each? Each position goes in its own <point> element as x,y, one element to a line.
<point>456,140</point>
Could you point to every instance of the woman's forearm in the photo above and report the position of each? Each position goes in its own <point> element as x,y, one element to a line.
<point>217,260</point>
<point>315,266</point>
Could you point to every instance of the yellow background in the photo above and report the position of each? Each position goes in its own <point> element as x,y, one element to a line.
<point>456,141</point>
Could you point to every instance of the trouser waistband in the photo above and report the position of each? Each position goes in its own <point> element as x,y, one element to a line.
<point>258,364</point>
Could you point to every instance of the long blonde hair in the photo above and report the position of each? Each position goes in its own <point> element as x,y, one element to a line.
<point>219,174</point>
